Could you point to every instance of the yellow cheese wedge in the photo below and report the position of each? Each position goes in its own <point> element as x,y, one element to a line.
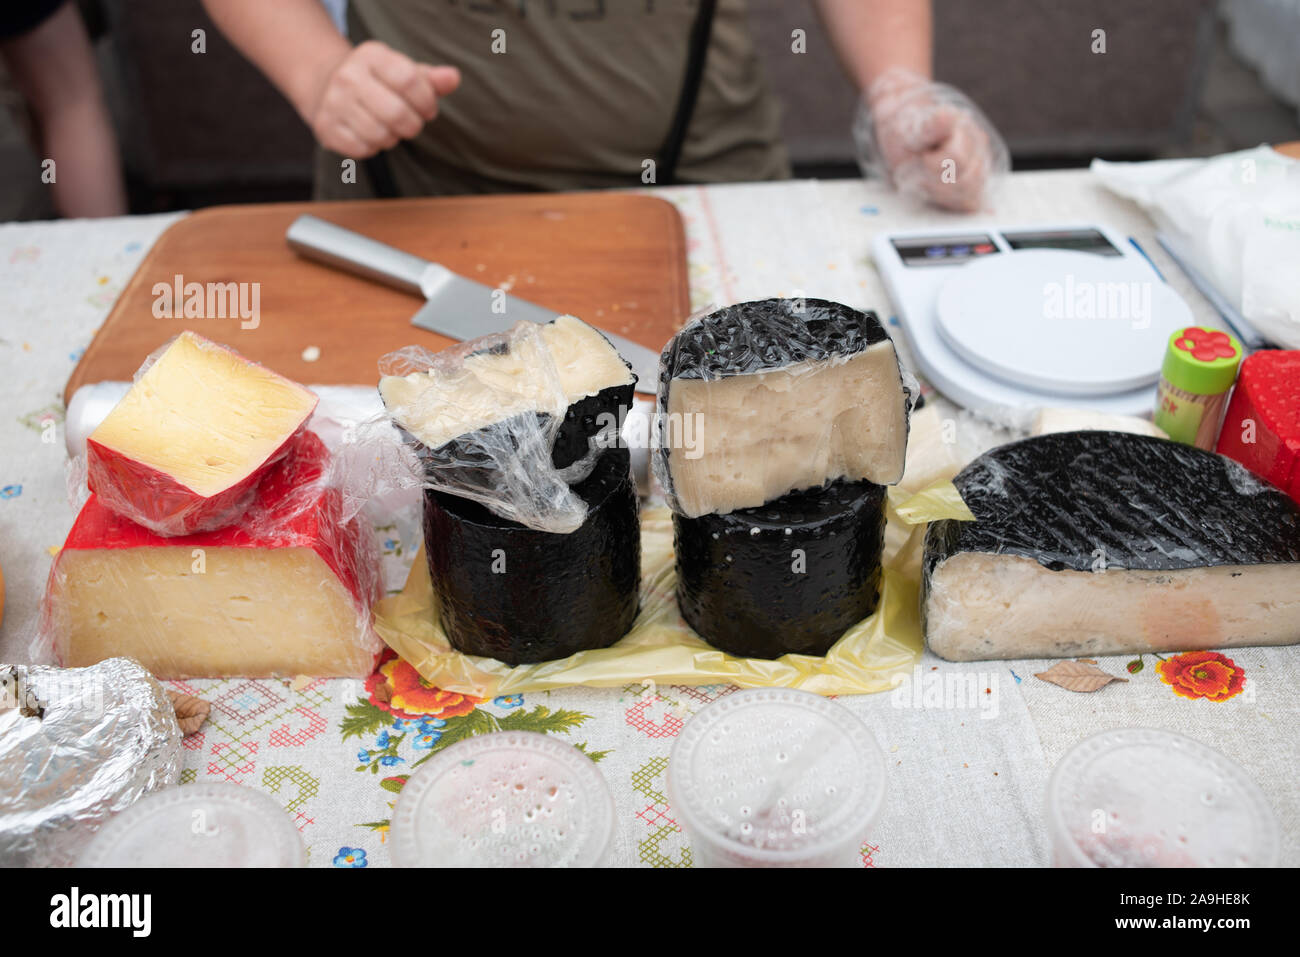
<point>184,449</point>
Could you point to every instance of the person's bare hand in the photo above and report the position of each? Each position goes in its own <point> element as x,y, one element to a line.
<point>374,97</point>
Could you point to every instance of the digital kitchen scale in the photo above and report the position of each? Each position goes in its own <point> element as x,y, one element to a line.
<point>1001,317</point>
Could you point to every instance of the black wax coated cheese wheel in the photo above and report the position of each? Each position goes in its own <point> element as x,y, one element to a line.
<point>520,595</point>
<point>787,577</point>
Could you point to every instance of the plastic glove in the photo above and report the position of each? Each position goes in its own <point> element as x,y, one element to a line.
<point>929,141</point>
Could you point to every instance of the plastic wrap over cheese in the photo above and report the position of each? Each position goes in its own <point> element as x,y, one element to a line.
<point>286,591</point>
<point>759,399</point>
<point>509,420</point>
<point>185,448</point>
<point>1095,543</point>
<point>77,745</point>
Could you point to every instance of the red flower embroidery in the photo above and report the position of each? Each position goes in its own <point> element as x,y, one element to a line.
<point>397,688</point>
<point>1202,674</point>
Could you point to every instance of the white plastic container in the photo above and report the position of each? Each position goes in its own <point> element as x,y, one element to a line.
<point>1139,797</point>
<point>776,778</point>
<point>511,799</point>
<point>198,825</point>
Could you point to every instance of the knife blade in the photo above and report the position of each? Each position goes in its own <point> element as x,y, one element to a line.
<point>455,306</point>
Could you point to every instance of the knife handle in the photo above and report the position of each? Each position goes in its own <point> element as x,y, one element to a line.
<point>352,252</point>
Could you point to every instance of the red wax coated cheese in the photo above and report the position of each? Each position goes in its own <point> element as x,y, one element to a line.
<point>1261,429</point>
<point>185,448</point>
<point>286,592</point>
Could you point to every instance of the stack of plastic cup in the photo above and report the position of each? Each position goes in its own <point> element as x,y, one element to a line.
<point>198,825</point>
<point>776,778</point>
<point>1138,797</point>
<point>511,799</point>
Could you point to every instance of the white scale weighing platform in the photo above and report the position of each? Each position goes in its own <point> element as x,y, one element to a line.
<point>1001,317</point>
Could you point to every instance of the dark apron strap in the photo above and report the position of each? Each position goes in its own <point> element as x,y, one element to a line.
<point>381,176</point>
<point>670,153</point>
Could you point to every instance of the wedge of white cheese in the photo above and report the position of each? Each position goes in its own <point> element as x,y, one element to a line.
<point>764,398</point>
<point>1100,543</point>
<point>563,370</point>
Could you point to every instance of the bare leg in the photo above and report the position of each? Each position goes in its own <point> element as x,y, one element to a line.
<point>53,67</point>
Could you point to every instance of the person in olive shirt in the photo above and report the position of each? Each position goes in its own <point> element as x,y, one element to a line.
<point>469,96</point>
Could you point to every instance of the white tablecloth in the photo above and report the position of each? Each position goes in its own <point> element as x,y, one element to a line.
<point>965,782</point>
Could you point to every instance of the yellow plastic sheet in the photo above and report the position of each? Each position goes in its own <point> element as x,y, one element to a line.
<point>663,648</point>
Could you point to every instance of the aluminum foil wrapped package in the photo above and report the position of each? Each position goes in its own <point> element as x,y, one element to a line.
<point>1098,543</point>
<point>77,745</point>
<point>510,420</point>
<point>764,398</point>
<point>186,447</point>
<point>286,591</point>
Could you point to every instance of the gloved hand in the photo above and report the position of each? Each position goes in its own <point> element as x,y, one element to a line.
<point>929,141</point>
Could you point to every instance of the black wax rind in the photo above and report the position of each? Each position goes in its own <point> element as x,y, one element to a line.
<point>738,583</point>
<point>1135,501</point>
<point>587,418</point>
<point>558,593</point>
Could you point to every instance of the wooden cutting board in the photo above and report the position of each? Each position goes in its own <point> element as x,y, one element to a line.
<point>616,260</point>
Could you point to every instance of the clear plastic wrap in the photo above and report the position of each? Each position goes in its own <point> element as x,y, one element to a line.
<point>185,448</point>
<point>286,591</point>
<point>759,399</point>
<point>77,746</point>
<point>1095,543</point>
<point>929,141</point>
<point>509,420</point>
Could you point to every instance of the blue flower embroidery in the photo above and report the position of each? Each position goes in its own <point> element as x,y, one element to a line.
<point>508,700</point>
<point>350,857</point>
<point>426,741</point>
<point>11,491</point>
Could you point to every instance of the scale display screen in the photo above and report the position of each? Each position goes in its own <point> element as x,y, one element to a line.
<point>1080,240</point>
<point>944,250</point>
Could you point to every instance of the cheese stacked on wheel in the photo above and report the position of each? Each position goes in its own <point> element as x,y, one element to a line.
<point>779,423</point>
<point>187,446</point>
<point>213,544</point>
<point>530,510</point>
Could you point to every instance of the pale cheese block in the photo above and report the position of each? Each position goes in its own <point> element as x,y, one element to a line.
<point>287,592</point>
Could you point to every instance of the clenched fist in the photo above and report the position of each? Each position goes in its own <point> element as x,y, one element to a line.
<point>929,141</point>
<point>374,97</point>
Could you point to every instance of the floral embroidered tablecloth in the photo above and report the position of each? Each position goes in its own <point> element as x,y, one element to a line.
<point>969,747</point>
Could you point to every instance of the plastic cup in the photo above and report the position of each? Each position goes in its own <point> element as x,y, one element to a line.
<point>198,825</point>
<point>1138,797</point>
<point>776,778</point>
<point>510,799</point>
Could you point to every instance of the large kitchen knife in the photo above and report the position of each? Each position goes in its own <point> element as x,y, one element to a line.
<point>455,307</point>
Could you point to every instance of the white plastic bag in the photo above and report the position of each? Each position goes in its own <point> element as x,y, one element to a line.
<point>1237,219</point>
